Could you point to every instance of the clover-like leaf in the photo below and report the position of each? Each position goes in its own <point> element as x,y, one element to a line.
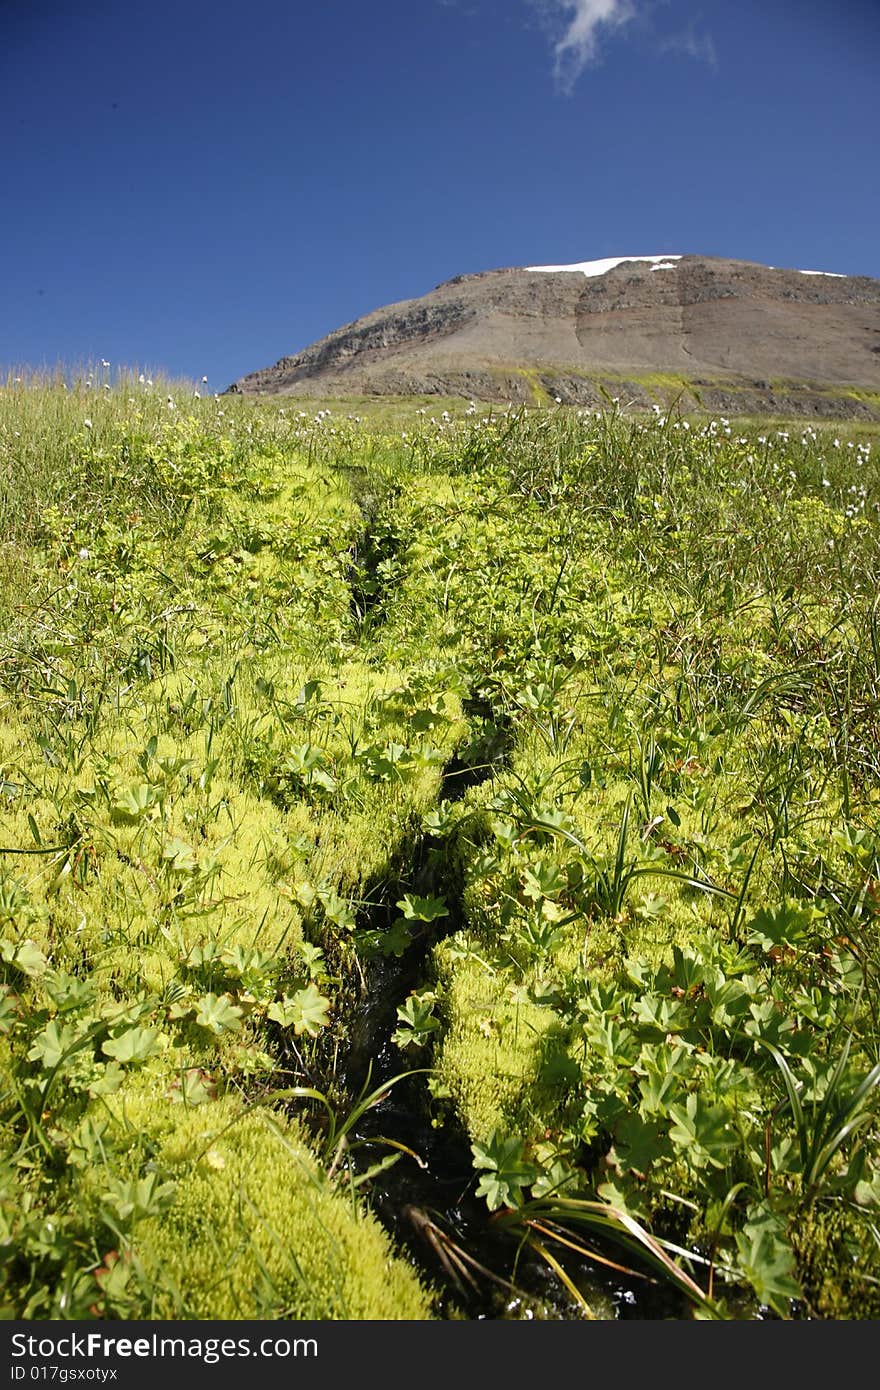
<point>663,1070</point>
<point>336,909</point>
<point>544,879</point>
<point>786,924</point>
<point>768,1262</point>
<point>107,1079</point>
<point>138,1198</point>
<point>304,1012</point>
<point>69,992</point>
<point>415,1019</point>
<point>508,1171</point>
<point>638,1143</point>
<point>52,1044</point>
<point>133,804</point>
<point>134,1045</point>
<point>25,956</point>
<point>396,939</point>
<point>428,909</point>
<point>179,857</point>
<point>194,1086</point>
<point>703,1131</point>
<point>218,1014</point>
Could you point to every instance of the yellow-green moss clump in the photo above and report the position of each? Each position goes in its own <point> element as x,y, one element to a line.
<point>840,1274</point>
<point>256,1229</point>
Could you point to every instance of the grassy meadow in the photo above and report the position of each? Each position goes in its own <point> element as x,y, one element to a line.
<point>563,725</point>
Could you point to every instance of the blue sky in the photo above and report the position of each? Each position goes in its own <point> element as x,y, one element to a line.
<point>204,186</point>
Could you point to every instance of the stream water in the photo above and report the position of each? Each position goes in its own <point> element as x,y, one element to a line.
<point>428,1202</point>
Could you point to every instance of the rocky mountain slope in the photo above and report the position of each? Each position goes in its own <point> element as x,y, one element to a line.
<point>721,334</point>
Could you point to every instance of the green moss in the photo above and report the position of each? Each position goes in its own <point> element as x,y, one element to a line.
<point>491,1050</point>
<point>256,1228</point>
<point>839,1262</point>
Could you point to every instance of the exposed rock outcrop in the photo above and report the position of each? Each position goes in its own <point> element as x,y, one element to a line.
<point>726,335</point>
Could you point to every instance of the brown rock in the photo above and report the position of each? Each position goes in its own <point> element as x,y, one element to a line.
<point>718,333</point>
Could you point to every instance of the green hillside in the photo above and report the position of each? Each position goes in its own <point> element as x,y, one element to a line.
<point>536,753</point>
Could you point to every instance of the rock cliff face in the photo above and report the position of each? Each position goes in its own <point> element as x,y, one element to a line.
<point>726,335</point>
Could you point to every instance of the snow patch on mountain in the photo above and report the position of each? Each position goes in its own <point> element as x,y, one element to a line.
<point>591,268</point>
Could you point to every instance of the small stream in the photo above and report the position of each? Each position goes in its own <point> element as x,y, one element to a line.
<point>427,1203</point>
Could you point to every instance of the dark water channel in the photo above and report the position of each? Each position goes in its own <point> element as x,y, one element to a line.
<point>428,1203</point>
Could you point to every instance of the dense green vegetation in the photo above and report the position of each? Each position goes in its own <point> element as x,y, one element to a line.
<point>579,712</point>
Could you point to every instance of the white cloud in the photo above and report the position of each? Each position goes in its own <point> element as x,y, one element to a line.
<point>585,22</point>
<point>580,26</point>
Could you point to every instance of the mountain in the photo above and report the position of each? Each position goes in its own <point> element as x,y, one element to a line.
<point>725,335</point>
